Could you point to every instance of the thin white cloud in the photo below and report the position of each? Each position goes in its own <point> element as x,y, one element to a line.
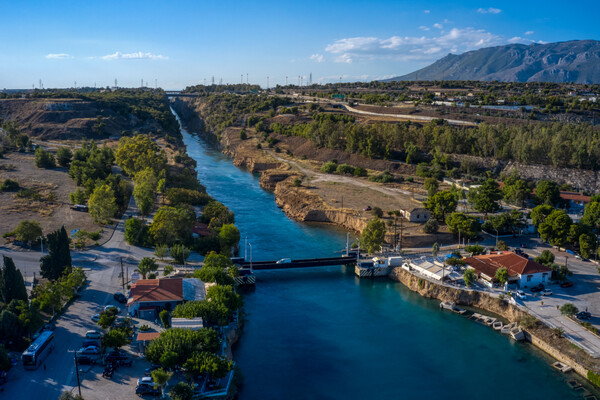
<point>133,56</point>
<point>317,57</point>
<point>426,11</point>
<point>424,28</point>
<point>529,33</point>
<point>439,26</point>
<point>413,48</point>
<point>490,10</point>
<point>57,56</point>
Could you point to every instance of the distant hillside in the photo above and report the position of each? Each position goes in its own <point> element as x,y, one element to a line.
<point>575,61</point>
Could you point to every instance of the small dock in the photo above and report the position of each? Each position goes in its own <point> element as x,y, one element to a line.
<point>446,305</point>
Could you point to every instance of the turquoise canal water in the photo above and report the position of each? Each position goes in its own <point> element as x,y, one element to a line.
<point>324,334</point>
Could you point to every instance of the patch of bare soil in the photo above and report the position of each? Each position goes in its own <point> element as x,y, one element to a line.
<point>48,201</point>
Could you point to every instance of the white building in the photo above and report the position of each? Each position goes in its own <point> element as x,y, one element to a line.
<point>522,271</point>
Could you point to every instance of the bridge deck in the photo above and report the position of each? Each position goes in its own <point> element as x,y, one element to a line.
<point>306,263</point>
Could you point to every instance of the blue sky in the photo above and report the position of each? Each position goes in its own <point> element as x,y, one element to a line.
<point>177,43</point>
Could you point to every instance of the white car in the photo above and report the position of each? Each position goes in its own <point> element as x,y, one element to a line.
<point>110,306</point>
<point>147,380</point>
<point>94,334</point>
<point>90,350</point>
<point>546,292</point>
<point>521,294</point>
<point>284,261</point>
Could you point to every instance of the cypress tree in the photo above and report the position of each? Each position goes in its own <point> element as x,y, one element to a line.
<point>12,285</point>
<point>58,259</point>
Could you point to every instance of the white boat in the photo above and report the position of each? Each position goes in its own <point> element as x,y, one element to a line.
<point>497,325</point>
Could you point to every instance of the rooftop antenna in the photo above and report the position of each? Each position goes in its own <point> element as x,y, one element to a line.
<point>116,82</point>
<point>286,81</point>
<point>242,79</point>
<point>213,80</point>
<point>267,82</point>
<point>310,79</point>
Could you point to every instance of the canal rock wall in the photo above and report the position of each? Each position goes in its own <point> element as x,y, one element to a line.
<point>540,336</point>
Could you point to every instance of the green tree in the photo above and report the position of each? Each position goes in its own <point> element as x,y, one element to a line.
<point>434,249</point>
<point>547,192</point>
<point>225,295</point>
<point>540,213</point>
<point>179,253</point>
<point>28,231</point>
<point>545,258</point>
<point>10,329</point>
<point>58,259</point>
<point>502,246</point>
<point>181,391</point>
<point>183,342</point>
<point>469,277</point>
<point>555,228</point>
<point>137,232</point>
<point>107,319</point>
<point>115,338</point>
<point>591,216</point>
<point>146,266</point>
<point>161,377</point>
<point>143,191</point>
<point>208,363</point>
<point>102,204</point>
<point>229,237</point>
<point>431,185</point>
<point>66,395</point>
<point>172,223</point>
<point>431,226</point>
<point>466,226</point>
<point>216,214</point>
<point>164,318</point>
<point>568,309</point>
<point>515,192</point>
<point>5,363</point>
<point>485,198</point>
<point>44,159</point>
<point>169,359</point>
<point>474,249</point>
<point>78,197</point>
<point>373,235</point>
<point>138,153</point>
<point>161,251</point>
<point>441,204</point>
<point>501,275</point>
<point>12,286</point>
<point>588,245</point>
<point>64,156</point>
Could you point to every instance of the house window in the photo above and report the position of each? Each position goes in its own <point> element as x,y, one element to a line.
<point>529,278</point>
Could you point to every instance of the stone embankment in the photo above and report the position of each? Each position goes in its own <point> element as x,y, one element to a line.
<point>298,202</point>
<point>541,336</point>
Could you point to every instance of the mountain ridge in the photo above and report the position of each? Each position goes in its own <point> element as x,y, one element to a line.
<point>570,61</point>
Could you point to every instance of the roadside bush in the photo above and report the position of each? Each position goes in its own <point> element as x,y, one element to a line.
<point>178,196</point>
<point>360,171</point>
<point>205,245</point>
<point>385,177</point>
<point>431,226</point>
<point>329,167</point>
<point>164,318</point>
<point>78,197</point>
<point>64,156</point>
<point>9,185</point>
<point>344,169</point>
<point>378,212</point>
<point>297,182</point>
<point>44,159</point>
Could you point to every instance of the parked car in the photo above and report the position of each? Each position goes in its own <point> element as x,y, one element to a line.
<point>148,371</point>
<point>85,360</point>
<point>90,350</point>
<point>96,317</point>
<point>367,208</point>
<point>566,284</point>
<point>147,390</point>
<point>538,288</point>
<point>146,380</point>
<point>111,307</point>
<point>284,261</point>
<point>546,292</point>
<point>94,334</point>
<point>120,297</point>
<point>584,315</point>
<point>521,294</point>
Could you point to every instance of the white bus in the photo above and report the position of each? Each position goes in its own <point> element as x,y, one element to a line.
<point>37,352</point>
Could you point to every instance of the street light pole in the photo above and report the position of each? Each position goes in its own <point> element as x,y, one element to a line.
<point>77,371</point>
<point>250,244</point>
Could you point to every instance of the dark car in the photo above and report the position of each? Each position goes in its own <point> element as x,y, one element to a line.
<point>538,288</point>
<point>85,360</point>
<point>566,284</point>
<point>147,390</point>
<point>120,297</point>
<point>115,357</point>
<point>148,371</point>
<point>584,315</point>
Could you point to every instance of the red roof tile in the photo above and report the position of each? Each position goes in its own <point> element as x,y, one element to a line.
<point>146,336</point>
<point>156,290</point>
<point>514,263</point>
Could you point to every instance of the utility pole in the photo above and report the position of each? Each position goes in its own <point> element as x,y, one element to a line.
<point>122,275</point>
<point>77,371</point>
<point>250,244</point>
<point>245,248</point>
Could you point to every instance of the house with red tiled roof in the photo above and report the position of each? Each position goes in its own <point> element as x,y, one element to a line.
<point>521,271</point>
<point>147,297</point>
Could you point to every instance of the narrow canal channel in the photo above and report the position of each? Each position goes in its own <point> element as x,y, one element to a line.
<point>321,333</point>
